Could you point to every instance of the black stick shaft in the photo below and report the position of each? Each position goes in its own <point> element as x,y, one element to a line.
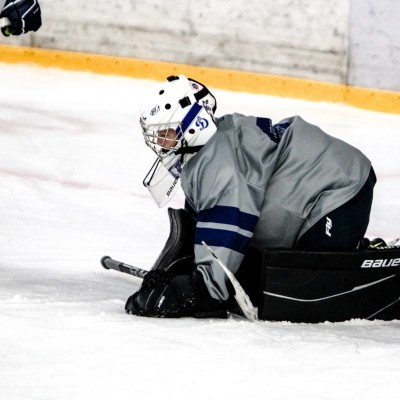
<point>108,263</point>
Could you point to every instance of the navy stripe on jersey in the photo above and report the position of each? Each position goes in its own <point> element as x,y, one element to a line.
<point>230,216</point>
<point>275,132</point>
<point>222,238</point>
<point>265,124</point>
<point>224,226</point>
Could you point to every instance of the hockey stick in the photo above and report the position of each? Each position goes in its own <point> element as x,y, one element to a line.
<point>240,295</point>
<point>108,263</point>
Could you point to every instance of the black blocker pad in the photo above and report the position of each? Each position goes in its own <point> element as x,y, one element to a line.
<point>310,286</point>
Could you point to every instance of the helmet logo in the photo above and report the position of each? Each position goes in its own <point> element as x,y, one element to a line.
<point>202,123</point>
<point>155,110</point>
<point>207,107</point>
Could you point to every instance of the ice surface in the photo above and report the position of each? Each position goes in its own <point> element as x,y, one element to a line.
<point>72,161</point>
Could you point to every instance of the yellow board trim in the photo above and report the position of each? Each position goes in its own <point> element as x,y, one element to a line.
<point>371,99</point>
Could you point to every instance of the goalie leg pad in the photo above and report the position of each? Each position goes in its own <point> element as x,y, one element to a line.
<point>313,286</point>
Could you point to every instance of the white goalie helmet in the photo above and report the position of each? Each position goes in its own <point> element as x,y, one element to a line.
<point>178,119</point>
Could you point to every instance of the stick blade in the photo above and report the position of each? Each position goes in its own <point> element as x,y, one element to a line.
<point>241,296</point>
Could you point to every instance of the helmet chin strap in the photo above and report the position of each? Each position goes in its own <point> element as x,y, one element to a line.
<point>184,150</point>
<point>188,150</point>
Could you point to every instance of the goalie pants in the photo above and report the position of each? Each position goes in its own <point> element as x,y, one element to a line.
<point>344,227</point>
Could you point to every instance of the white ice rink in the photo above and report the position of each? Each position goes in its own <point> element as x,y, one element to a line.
<point>72,160</point>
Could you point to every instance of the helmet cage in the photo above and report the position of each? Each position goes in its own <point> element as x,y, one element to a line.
<point>162,138</point>
<point>166,138</point>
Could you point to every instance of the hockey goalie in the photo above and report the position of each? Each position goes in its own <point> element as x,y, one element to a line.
<point>284,206</point>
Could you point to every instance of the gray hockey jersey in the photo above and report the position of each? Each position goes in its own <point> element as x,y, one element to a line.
<point>263,185</point>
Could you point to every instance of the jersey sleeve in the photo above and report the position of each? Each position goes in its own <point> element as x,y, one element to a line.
<point>225,184</point>
<point>227,226</point>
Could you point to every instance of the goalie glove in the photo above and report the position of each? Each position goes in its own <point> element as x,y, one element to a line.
<point>23,16</point>
<point>163,295</point>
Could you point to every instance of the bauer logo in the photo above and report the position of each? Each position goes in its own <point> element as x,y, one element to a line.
<point>382,263</point>
<point>171,188</point>
<point>161,301</point>
<point>155,110</point>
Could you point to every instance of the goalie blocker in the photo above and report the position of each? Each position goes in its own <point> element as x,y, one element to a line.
<point>310,286</point>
